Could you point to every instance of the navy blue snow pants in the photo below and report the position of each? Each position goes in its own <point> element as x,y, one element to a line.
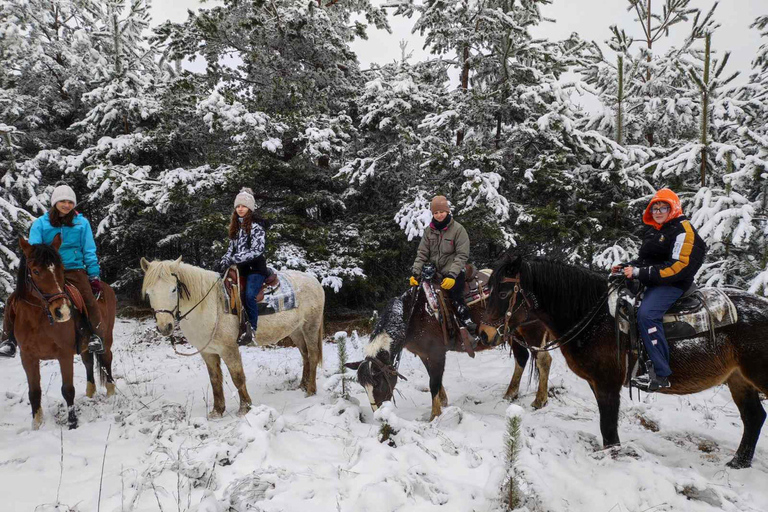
<point>656,301</point>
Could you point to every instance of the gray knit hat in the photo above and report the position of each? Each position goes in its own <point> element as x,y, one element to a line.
<point>63,193</point>
<point>245,198</point>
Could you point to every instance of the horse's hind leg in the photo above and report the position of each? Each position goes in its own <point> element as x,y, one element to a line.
<point>234,362</point>
<point>608,401</point>
<point>543,363</point>
<point>301,343</point>
<point>435,365</point>
<point>90,386</point>
<point>752,415</point>
<point>105,369</point>
<point>66,363</point>
<point>213,362</point>
<point>521,359</point>
<point>313,345</point>
<point>32,369</point>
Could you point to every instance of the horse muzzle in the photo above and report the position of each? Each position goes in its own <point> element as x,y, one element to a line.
<point>60,312</point>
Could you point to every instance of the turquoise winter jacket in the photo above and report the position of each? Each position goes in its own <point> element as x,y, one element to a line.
<point>78,249</point>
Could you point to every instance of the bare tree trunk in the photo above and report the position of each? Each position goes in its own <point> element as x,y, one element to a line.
<point>620,99</point>
<point>705,110</point>
<point>464,87</point>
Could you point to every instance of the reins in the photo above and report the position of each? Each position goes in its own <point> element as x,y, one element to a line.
<point>47,298</point>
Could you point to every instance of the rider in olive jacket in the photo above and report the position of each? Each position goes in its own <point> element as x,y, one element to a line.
<point>446,244</point>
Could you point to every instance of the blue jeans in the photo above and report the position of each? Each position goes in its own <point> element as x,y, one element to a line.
<point>656,301</point>
<point>253,284</point>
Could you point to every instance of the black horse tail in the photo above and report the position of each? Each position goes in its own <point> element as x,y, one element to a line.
<point>104,377</point>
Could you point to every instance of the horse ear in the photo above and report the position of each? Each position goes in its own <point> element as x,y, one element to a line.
<point>26,248</point>
<point>144,264</point>
<point>353,366</point>
<point>517,262</point>
<point>176,263</point>
<point>56,243</point>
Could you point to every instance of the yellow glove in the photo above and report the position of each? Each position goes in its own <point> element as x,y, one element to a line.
<point>448,283</point>
<point>413,281</point>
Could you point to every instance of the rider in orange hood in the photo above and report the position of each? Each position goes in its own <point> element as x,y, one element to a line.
<point>671,254</point>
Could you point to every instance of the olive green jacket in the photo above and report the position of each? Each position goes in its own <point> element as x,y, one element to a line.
<point>447,249</point>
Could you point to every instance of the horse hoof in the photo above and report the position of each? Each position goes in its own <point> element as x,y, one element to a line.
<point>72,425</point>
<point>538,405</point>
<point>510,397</point>
<point>214,414</point>
<point>310,391</point>
<point>110,389</point>
<point>244,409</point>
<point>90,389</point>
<point>37,420</point>
<point>737,463</point>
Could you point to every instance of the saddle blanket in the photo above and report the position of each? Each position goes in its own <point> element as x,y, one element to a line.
<point>282,299</point>
<point>704,310</point>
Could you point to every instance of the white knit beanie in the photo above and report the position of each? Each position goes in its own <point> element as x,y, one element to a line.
<point>245,198</point>
<point>63,193</point>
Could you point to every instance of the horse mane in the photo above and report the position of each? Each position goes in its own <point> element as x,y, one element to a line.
<point>43,255</point>
<point>393,323</point>
<point>567,292</point>
<point>196,280</point>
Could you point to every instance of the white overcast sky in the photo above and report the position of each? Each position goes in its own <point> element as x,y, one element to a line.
<point>590,18</point>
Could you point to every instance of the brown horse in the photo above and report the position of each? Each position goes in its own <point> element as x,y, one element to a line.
<point>571,303</point>
<point>44,325</point>
<point>406,323</point>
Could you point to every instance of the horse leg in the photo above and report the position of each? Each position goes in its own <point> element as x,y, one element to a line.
<point>301,343</point>
<point>90,386</point>
<point>32,369</point>
<point>521,359</point>
<point>105,369</point>
<point>608,401</point>
<point>313,344</point>
<point>234,362</point>
<point>443,396</point>
<point>752,415</point>
<point>213,362</point>
<point>435,365</point>
<point>67,363</point>
<point>543,363</point>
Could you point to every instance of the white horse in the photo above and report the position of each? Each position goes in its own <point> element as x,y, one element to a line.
<point>177,290</point>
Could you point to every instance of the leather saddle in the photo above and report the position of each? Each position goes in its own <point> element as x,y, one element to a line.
<point>234,288</point>
<point>76,298</point>
<point>476,285</point>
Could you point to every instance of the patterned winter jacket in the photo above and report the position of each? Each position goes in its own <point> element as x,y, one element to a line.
<point>247,250</point>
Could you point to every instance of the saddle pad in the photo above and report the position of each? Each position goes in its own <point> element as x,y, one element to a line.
<point>282,299</point>
<point>477,287</point>
<point>714,305</point>
<point>692,320</point>
<point>77,298</point>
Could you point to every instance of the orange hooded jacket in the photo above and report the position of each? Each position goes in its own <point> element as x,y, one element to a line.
<point>663,196</point>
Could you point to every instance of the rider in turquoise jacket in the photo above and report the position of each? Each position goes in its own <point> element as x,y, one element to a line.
<point>78,248</point>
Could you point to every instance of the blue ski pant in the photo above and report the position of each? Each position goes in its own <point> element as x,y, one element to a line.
<point>656,301</point>
<point>253,284</point>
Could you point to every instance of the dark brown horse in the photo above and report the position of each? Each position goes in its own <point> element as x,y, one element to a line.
<point>44,324</point>
<point>406,323</point>
<point>571,303</point>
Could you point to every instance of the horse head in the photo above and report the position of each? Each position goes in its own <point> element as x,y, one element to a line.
<point>161,289</point>
<point>502,309</point>
<point>44,273</point>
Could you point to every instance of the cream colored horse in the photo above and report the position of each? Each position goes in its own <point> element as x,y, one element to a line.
<point>174,288</point>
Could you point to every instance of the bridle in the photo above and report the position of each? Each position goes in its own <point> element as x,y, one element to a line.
<point>47,298</point>
<point>176,311</point>
<point>514,307</point>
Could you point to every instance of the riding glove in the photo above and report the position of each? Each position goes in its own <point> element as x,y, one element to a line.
<point>448,283</point>
<point>413,281</point>
<point>95,286</point>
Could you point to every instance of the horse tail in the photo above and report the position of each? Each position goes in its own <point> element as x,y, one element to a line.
<point>320,343</point>
<point>534,373</point>
<point>103,377</point>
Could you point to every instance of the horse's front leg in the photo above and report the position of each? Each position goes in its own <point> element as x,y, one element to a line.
<point>608,401</point>
<point>32,369</point>
<point>66,363</point>
<point>234,362</point>
<point>213,362</point>
<point>435,364</point>
<point>521,359</point>
<point>543,363</point>
<point>90,386</point>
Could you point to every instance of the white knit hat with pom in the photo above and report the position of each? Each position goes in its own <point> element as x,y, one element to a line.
<point>245,198</point>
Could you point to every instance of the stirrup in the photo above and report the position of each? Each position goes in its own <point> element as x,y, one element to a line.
<point>248,336</point>
<point>95,345</point>
<point>8,349</point>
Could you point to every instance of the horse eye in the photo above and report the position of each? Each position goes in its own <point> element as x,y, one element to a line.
<point>505,295</point>
<point>174,290</point>
<point>36,272</point>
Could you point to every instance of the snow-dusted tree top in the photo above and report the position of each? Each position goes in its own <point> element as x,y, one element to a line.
<point>344,161</point>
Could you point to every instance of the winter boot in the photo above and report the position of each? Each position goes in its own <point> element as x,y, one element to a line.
<point>462,312</point>
<point>247,335</point>
<point>95,345</point>
<point>650,382</point>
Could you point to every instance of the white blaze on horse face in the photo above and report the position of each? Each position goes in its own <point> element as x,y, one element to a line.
<point>382,341</point>
<point>369,390</point>
<point>52,270</point>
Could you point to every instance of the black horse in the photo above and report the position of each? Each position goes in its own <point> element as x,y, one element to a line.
<point>571,302</point>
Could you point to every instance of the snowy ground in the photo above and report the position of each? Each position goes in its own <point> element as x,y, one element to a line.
<point>292,453</point>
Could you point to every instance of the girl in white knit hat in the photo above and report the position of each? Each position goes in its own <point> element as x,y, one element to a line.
<point>78,253</point>
<point>247,243</point>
